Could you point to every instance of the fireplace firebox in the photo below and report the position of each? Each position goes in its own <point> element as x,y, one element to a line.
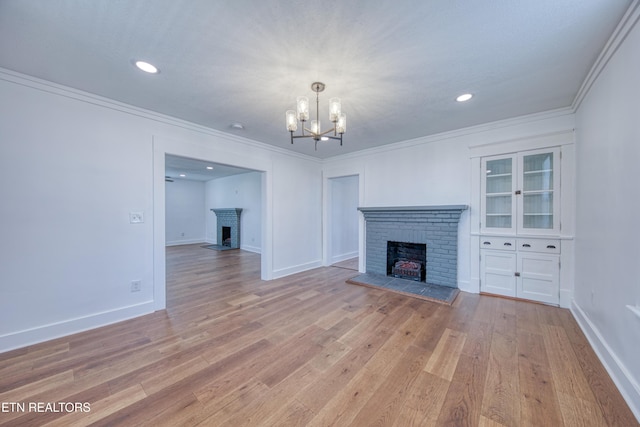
<point>226,236</point>
<point>407,260</point>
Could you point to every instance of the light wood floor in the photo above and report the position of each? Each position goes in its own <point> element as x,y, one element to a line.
<point>308,349</point>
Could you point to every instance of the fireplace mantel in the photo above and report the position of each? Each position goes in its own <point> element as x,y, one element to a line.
<point>369,211</point>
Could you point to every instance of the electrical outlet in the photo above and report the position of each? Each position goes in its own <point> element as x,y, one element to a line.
<point>136,285</point>
<point>136,217</point>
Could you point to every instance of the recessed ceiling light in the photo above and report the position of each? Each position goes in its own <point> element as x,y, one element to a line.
<point>210,168</point>
<point>182,175</point>
<point>146,67</point>
<point>464,97</point>
<point>237,125</point>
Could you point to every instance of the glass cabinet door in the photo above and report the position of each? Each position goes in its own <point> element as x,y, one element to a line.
<point>537,205</point>
<point>498,207</point>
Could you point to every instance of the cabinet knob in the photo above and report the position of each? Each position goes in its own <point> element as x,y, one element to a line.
<point>507,244</point>
<point>551,246</point>
<point>526,245</point>
<point>486,243</point>
<point>518,192</point>
<point>517,274</point>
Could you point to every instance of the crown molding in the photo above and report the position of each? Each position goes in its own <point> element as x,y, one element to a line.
<point>484,127</point>
<point>621,32</point>
<point>90,98</point>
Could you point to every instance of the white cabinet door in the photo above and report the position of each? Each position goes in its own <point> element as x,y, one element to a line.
<point>497,273</point>
<point>539,277</point>
<point>498,207</point>
<point>520,193</point>
<point>538,184</point>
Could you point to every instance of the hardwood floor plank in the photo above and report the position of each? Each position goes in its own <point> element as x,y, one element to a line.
<point>273,399</point>
<point>383,408</point>
<point>444,360</point>
<point>463,401</point>
<point>567,374</point>
<point>501,402</point>
<point>538,400</point>
<point>309,349</point>
<point>578,412</point>
<point>424,401</point>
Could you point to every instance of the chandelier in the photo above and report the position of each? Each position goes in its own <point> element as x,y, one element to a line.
<point>337,117</point>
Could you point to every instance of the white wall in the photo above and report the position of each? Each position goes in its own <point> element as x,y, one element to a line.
<point>607,224</point>
<point>185,212</point>
<point>343,219</point>
<point>74,165</point>
<point>237,191</point>
<point>299,218</point>
<point>436,170</point>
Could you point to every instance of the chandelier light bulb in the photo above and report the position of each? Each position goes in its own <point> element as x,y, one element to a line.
<point>315,126</point>
<point>334,109</point>
<point>303,108</point>
<point>341,126</point>
<point>291,120</point>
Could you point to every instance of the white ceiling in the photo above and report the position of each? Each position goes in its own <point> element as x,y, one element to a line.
<point>196,170</point>
<point>397,65</point>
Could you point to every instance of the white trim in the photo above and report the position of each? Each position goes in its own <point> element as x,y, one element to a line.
<point>283,272</point>
<point>89,98</point>
<point>254,249</point>
<point>634,309</point>
<point>341,171</point>
<point>624,381</point>
<point>625,26</point>
<point>471,130</point>
<point>524,143</point>
<point>343,257</point>
<point>465,286</point>
<point>185,242</point>
<point>64,328</point>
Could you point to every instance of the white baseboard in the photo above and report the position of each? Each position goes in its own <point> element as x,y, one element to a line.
<point>254,249</point>
<point>184,242</point>
<point>72,326</point>
<point>627,385</point>
<point>343,257</point>
<point>465,285</point>
<point>566,298</point>
<point>296,269</point>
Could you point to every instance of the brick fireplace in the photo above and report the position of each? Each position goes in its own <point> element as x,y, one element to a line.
<point>228,227</point>
<point>435,227</point>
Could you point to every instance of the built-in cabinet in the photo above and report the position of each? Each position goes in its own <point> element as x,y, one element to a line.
<point>525,268</point>
<point>519,234</point>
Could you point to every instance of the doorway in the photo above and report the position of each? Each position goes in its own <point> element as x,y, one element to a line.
<point>195,153</point>
<point>343,221</point>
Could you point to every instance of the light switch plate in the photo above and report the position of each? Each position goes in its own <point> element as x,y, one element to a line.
<point>136,217</point>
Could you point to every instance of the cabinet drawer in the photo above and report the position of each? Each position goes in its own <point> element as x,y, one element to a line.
<point>498,243</point>
<point>551,246</point>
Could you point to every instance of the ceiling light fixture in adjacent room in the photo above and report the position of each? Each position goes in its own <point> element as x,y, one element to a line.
<point>464,97</point>
<point>146,67</point>
<point>336,116</point>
